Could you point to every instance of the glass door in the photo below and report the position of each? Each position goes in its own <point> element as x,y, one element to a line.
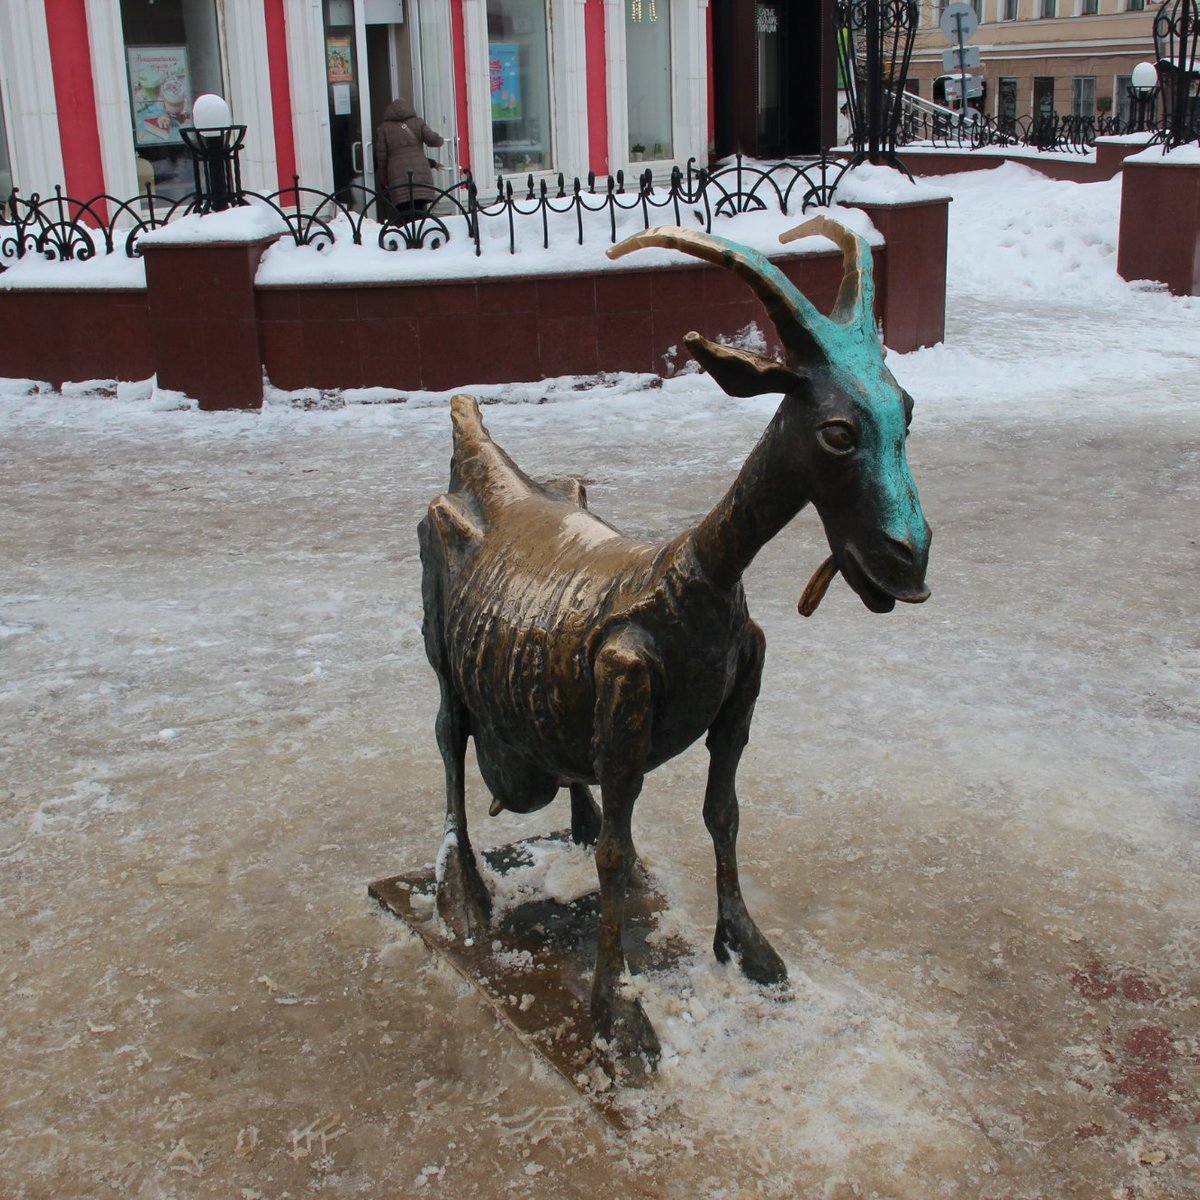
<point>432,65</point>
<point>343,56</point>
<point>373,55</point>
<point>769,18</point>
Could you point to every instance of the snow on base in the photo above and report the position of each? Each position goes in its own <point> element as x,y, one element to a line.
<point>1187,155</point>
<point>560,871</point>
<point>246,223</point>
<point>869,183</point>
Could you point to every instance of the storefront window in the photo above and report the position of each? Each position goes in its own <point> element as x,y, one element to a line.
<point>648,77</point>
<point>519,70</point>
<point>173,55</point>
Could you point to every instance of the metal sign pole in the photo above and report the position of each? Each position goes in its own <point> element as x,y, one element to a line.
<point>962,68</point>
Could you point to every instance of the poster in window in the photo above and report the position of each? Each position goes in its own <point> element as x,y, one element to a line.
<point>504,69</point>
<point>339,63</point>
<point>160,93</point>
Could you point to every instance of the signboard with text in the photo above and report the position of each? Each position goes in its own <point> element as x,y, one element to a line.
<point>160,94</point>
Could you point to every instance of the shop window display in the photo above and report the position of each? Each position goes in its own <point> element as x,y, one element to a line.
<point>172,55</point>
<point>648,75</point>
<point>519,71</point>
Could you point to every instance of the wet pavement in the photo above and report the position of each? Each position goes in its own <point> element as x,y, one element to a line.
<point>969,827</point>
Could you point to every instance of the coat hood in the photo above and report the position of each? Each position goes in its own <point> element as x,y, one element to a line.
<point>400,109</point>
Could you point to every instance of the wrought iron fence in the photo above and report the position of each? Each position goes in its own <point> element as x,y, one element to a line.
<point>1050,132</point>
<point>59,227</point>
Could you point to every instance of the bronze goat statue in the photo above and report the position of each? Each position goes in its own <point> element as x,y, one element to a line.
<point>574,655</point>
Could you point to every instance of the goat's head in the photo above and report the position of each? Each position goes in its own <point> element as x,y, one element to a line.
<point>844,418</point>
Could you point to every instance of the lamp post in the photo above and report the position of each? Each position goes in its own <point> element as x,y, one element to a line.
<point>215,143</point>
<point>1177,47</point>
<point>874,44</point>
<point>1143,91</point>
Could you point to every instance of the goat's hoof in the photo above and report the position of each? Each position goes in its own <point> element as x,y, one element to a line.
<point>463,900</point>
<point>756,956</point>
<point>633,1047</point>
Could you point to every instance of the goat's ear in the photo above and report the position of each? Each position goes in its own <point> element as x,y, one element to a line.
<point>741,372</point>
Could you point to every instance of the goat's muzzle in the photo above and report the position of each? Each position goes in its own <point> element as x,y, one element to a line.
<point>875,596</point>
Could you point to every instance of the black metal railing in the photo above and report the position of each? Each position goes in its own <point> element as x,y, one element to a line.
<point>1047,132</point>
<point>59,227</point>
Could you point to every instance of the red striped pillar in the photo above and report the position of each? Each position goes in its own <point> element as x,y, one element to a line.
<point>75,98</point>
<point>459,38</point>
<point>281,92</point>
<point>597,86</point>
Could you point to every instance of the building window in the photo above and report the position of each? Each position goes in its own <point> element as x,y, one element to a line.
<point>1010,10</point>
<point>1049,8</point>
<point>1083,96</point>
<point>1006,110</point>
<point>1135,6</point>
<point>1123,102</point>
<point>648,77</point>
<point>172,55</point>
<point>940,7</point>
<point>1090,8</point>
<point>1043,96</point>
<point>519,78</point>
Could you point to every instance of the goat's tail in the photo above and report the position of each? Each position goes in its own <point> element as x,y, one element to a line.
<point>480,467</point>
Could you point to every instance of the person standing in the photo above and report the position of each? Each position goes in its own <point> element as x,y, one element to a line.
<point>402,168</point>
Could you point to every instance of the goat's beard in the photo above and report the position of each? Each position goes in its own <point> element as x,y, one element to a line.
<point>818,585</point>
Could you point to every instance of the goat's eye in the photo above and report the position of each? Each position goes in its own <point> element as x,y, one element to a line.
<point>838,437</point>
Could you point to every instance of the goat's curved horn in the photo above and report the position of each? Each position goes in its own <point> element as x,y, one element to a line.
<point>795,317</point>
<point>856,297</point>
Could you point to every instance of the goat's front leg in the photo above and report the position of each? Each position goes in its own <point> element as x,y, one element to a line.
<point>727,738</point>
<point>622,744</point>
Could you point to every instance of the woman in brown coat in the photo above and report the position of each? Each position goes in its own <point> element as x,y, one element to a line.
<point>400,143</point>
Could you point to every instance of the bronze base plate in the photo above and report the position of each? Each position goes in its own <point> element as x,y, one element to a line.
<point>536,970</point>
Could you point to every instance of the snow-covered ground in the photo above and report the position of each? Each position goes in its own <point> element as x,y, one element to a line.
<point>970,827</point>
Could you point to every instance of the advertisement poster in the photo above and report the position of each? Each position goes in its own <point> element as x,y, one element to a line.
<point>339,63</point>
<point>504,67</point>
<point>160,92</point>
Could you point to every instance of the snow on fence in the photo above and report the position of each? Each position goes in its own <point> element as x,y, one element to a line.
<point>61,228</point>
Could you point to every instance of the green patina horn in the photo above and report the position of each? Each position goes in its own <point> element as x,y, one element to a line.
<point>803,329</point>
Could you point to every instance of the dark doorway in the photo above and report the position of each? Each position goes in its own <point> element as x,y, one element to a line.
<point>774,77</point>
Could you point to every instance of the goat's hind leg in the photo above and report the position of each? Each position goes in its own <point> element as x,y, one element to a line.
<point>463,900</point>
<point>736,931</point>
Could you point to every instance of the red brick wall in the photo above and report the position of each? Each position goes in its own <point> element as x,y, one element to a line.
<point>1159,236</point>
<point>950,162</point>
<point>443,335</point>
<point>63,337</point>
<point>208,331</point>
